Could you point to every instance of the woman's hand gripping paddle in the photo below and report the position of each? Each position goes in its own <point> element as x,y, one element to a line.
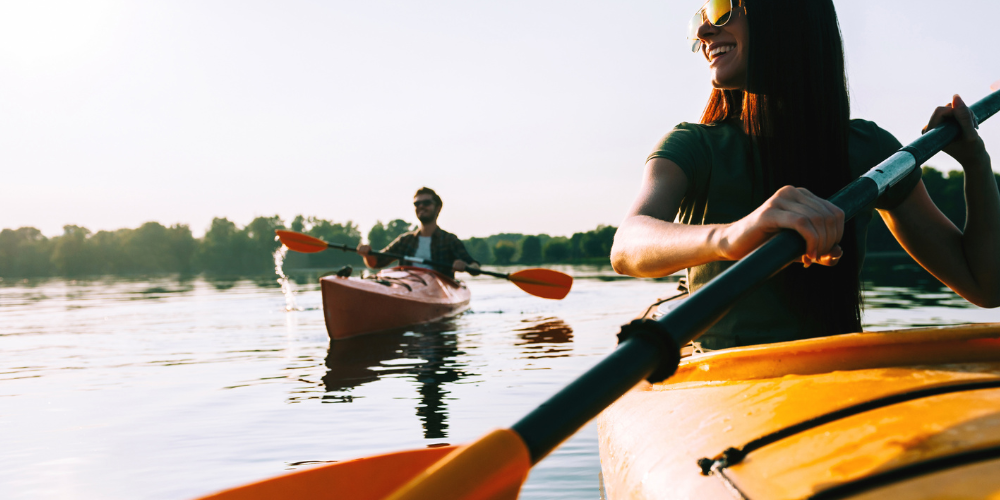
<point>544,283</point>
<point>494,466</point>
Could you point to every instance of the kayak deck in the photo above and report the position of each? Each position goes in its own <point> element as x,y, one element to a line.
<point>829,417</point>
<point>393,298</point>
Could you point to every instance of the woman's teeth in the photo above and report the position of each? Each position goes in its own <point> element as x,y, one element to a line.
<point>720,50</point>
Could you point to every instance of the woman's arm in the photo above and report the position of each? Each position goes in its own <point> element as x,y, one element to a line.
<point>648,244</point>
<point>968,260</point>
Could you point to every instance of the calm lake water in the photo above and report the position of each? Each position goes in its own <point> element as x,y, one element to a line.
<point>170,388</point>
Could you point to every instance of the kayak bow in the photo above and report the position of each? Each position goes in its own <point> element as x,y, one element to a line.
<point>876,413</point>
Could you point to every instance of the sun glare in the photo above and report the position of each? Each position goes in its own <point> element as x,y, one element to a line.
<point>52,32</point>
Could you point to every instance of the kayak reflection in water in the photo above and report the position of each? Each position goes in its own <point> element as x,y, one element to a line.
<point>544,338</point>
<point>774,141</point>
<point>428,242</point>
<point>426,353</point>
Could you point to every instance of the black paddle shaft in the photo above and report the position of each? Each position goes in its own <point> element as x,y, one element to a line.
<point>401,258</point>
<point>650,349</point>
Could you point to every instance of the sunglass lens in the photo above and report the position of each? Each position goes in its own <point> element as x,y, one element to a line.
<point>693,27</point>
<point>718,12</point>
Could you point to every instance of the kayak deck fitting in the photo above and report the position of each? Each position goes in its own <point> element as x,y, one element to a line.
<point>393,298</point>
<point>902,414</point>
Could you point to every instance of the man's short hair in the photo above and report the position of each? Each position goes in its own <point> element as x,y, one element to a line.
<point>434,196</point>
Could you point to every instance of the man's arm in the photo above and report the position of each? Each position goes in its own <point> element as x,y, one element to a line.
<point>463,259</point>
<point>398,246</point>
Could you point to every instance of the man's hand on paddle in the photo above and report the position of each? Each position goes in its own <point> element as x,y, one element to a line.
<point>460,265</point>
<point>364,251</point>
<point>819,222</point>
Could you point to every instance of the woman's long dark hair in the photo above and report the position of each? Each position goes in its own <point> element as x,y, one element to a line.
<point>796,111</point>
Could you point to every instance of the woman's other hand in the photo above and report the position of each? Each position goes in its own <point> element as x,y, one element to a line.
<point>819,222</point>
<point>966,259</point>
<point>968,148</point>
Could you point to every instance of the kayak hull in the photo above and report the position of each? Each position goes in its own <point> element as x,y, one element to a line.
<point>909,414</point>
<point>392,299</point>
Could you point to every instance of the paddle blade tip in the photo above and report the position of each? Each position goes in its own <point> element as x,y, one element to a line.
<point>996,86</point>
<point>544,283</point>
<point>493,467</point>
<point>299,242</point>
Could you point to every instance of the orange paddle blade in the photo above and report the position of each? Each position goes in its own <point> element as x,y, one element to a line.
<point>995,86</point>
<point>492,468</point>
<point>300,242</point>
<point>544,283</point>
<point>371,478</point>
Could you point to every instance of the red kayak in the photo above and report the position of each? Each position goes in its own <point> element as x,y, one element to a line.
<point>393,298</point>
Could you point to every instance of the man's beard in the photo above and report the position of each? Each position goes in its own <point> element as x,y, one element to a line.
<point>427,219</point>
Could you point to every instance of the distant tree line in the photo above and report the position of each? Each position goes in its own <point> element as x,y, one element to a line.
<point>227,249</point>
<point>592,246</point>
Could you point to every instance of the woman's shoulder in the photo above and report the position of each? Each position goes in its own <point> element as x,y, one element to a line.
<point>684,132</point>
<point>868,133</point>
<point>869,145</point>
<point>704,129</point>
<point>691,146</point>
<point>688,136</point>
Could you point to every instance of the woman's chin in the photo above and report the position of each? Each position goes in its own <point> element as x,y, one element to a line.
<point>723,81</point>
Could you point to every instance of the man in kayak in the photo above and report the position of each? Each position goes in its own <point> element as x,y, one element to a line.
<point>428,242</point>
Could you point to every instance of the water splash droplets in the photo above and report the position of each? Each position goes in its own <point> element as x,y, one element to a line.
<point>287,286</point>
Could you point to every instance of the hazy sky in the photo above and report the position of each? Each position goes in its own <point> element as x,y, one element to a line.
<point>526,116</point>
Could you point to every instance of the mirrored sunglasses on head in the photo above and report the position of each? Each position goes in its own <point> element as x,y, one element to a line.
<point>716,12</point>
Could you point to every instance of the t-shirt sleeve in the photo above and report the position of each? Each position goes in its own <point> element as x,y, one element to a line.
<point>685,146</point>
<point>887,144</point>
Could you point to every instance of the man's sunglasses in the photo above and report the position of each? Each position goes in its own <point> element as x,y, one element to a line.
<point>717,12</point>
<point>423,203</point>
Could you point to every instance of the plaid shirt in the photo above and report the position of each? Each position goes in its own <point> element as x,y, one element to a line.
<point>445,248</point>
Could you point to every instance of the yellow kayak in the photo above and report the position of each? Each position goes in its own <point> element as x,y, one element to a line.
<point>902,414</point>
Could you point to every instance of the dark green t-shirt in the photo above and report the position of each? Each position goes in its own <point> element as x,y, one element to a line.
<point>721,190</point>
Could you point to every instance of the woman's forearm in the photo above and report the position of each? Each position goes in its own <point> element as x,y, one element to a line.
<point>981,236</point>
<point>647,247</point>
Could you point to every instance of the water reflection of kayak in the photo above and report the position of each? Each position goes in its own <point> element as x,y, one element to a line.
<point>426,355</point>
<point>393,298</point>
<point>902,414</point>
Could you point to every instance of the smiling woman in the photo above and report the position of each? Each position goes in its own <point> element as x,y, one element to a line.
<point>52,32</point>
<point>775,141</point>
<point>727,51</point>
